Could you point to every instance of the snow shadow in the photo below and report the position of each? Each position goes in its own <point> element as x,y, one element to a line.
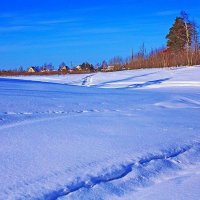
<point>125,79</point>
<point>148,83</point>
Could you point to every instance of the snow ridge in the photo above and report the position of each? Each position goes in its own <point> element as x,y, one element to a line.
<point>122,171</point>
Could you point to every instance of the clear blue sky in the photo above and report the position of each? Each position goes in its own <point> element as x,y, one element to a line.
<point>33,32</point>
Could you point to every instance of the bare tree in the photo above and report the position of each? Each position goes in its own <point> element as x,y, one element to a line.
<point>188,34</point>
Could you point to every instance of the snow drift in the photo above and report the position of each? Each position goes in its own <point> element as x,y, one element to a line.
<point>68,137</point>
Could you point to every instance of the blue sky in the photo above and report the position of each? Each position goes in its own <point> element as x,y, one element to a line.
<point>33,32</point>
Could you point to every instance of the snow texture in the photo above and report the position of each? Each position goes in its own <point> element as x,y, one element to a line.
<point>121,135</point>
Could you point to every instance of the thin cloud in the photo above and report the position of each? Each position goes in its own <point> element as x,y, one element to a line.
<point>19,25</point>
<point>57,21</point>
<point>100,30</point>
<point>12,28</point>
<point>167,13</point>
<point>52,44</point>
<point>22,28</point>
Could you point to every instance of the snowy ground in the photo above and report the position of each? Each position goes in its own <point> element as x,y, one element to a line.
<point>139,139</point>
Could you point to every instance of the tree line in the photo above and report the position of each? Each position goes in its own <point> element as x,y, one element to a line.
<point>182,49</point>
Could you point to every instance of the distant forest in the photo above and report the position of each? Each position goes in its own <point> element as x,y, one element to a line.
<point>182,49</point>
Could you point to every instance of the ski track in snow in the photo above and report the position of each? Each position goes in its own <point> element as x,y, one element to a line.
<point>124,170</point>
<point>87,81</point>
<point>39,116</point>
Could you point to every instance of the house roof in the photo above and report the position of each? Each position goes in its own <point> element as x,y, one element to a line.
<point>36,69</point>
<point>64,67</point>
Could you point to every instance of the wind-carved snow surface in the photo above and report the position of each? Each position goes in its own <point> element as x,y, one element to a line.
<point>166,161</point>
<point>68,137</point>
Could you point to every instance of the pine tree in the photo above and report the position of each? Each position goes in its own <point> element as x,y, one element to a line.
<point>180,34</point>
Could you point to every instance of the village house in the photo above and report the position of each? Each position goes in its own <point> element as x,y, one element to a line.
<point>63,68</point>
<point>78,68</point>
<point>108,68</point>
<point>111,68</point>
<point>45,70</point>
<point>71,70</point>
<point>33,69</point>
